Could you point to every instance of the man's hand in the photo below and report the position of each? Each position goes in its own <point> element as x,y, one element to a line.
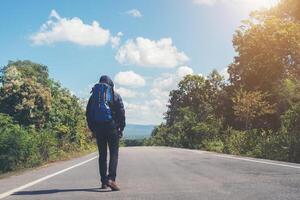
<point>120,133</point>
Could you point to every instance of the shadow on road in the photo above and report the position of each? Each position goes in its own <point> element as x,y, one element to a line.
<point>51,191</point>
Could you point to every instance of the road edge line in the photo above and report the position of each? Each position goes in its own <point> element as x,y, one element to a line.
<point>257,161</point>
<point>236,157</point>
<point>10,192</point>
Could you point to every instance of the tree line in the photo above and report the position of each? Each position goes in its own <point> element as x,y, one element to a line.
<point>256,112</point>
<point>39,119</point>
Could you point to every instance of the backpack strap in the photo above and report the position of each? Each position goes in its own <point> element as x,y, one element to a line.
<point>113,106</point>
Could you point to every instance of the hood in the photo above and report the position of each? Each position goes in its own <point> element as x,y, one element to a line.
<point>106,79</point>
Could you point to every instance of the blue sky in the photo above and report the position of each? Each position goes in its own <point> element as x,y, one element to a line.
<point>145,46</point>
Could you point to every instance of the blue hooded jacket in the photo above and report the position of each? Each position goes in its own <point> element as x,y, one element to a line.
<point>117,108</point>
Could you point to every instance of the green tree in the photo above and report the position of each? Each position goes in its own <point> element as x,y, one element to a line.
<point>186,95</point>
<point>191,119</point>
<point>67,118</point>
<point>198,93</point>
<point>268,52</point>
<point>250,105</point>
<point>23,95</point>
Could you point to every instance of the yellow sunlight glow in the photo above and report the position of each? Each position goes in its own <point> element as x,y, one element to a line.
<point>257,4</point>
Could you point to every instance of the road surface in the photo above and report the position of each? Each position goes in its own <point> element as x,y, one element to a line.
<point>160,173</point>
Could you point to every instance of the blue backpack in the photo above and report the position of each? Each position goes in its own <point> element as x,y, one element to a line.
<point>102,100</point>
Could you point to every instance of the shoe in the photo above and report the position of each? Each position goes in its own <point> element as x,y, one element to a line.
<point>104,186</point>
<point>113,185</point>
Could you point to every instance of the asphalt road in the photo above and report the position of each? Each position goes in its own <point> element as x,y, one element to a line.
<point>160,173</point>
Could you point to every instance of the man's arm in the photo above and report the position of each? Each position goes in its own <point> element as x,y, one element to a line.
<point>88,113</point>
<point>120,112</point>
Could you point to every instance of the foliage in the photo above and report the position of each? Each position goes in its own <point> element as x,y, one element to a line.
<point>133,142</point>
<point>249,143</point>
<point>287,9</point>
<point>39,119</point>
<point>291,132</point>
<point>251,105</point>
<point>28,99</point>
<point>268,51</point>
<point>17,146</point>
<point>191,122</point>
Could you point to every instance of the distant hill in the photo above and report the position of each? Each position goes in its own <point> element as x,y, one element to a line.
<point>134,131</point>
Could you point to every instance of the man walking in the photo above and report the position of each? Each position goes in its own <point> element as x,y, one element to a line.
<point>106,119</point>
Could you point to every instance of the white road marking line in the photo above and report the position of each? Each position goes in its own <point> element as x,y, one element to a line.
<point>244,159</point>
<point>257,161</point>
<point>5,194</point>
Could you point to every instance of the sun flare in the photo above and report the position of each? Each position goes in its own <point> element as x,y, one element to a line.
<point>257,4</point>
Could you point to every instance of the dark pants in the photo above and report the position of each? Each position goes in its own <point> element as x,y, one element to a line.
<point>106,134</point>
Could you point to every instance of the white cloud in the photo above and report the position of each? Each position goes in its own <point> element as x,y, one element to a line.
<point>134,13</point>
<point>183,71</point>
<point>166,82</point>
<point>130,78</point>
<point>148,112</point>
<point>150,53</point>
<point>126,93</point>
<point>115,40</point>
<point>204,2</point>
<point>254,4</point>
<point>54,14</point>
<point>59,29</point>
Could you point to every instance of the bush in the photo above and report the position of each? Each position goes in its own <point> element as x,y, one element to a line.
<point>132,143</point>
<point>290,132</point>
<point>47,145</point>
<point>249,143</point>
<point>213,145</point>
<point>17,146</point>
<point>277,147</point>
